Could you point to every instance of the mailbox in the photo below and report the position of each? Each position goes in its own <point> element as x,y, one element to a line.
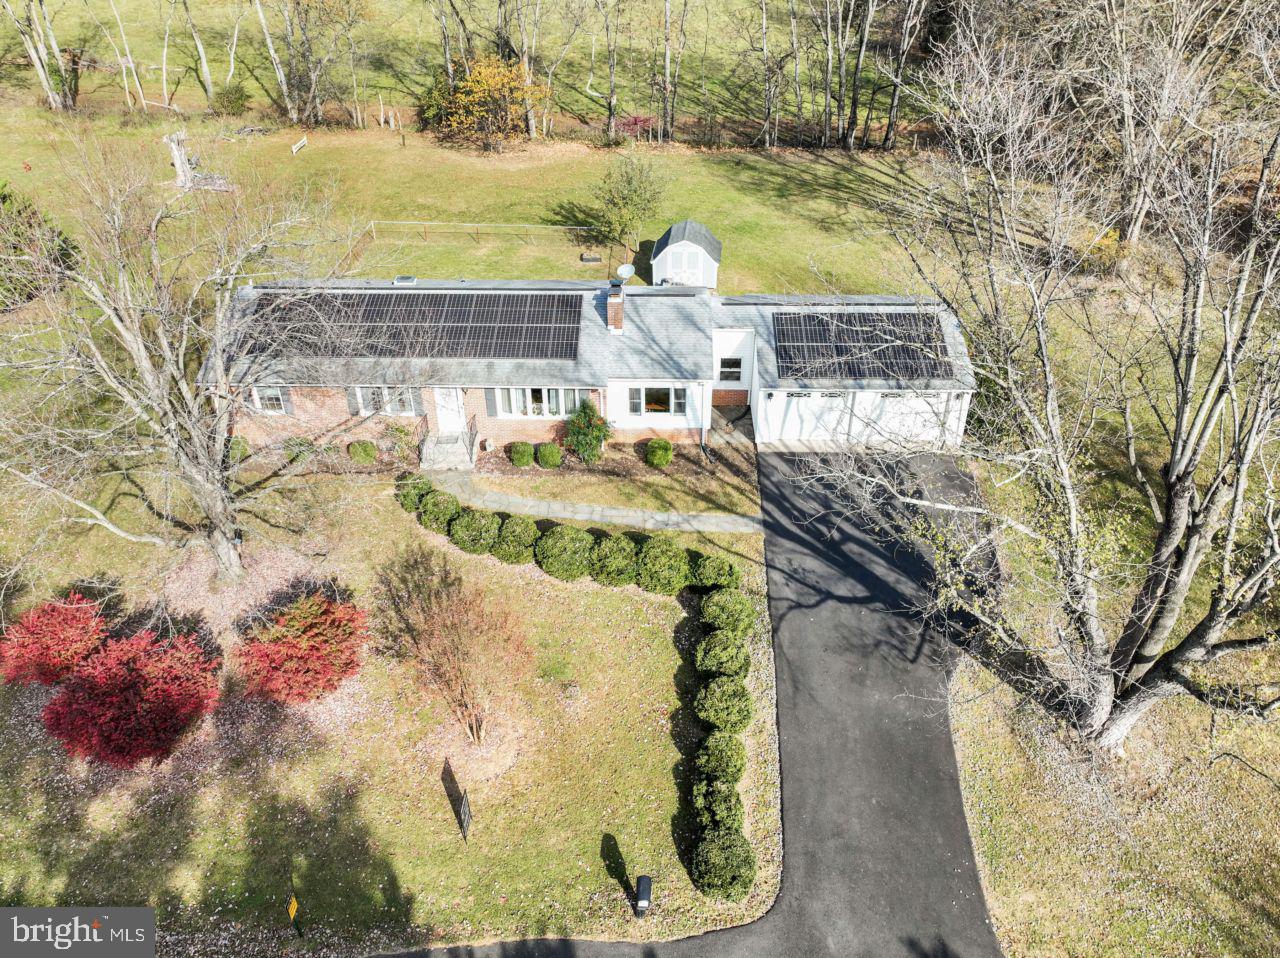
<point>644,890</point>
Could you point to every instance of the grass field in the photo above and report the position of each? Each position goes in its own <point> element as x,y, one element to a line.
<point>345,796</point>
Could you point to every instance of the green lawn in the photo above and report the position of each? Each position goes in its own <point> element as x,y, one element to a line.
<point>690,484</point>
<point>346,795</point>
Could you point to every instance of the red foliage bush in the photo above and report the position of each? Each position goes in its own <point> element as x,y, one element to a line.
<point>305,651</point>
<point>51,640</point>
<point>133,699</point>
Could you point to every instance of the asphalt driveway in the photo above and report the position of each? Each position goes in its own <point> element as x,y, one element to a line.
<point>877,860</point>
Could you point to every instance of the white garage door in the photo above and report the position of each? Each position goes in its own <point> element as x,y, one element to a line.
<point>870,419</point>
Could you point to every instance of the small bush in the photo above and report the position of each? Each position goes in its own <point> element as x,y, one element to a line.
<point>658,453</point>
<point>474,530</point>
<point>724,653</point>
<point>50,640</point>
<point>303,651</point>
<point>729,610</point>
<point>724,866</point>
<point>550,455</point>
<point>614,560</point>
<point>238,449</point>
<point>133,699</point>
<point>565,552</point>
<point>722,756</point>
<point>362,452</point>
<point>411,489</point>
<point>662,566</point>
<point>521,454</point>
<point>1102,255</point>
<point>299,449</point>
<point>516,540</point>
<point>230,100</point>
<point>717,803</point>
<point>715,572</point>
<point>724,703</point>
<point>437,510</point>
<point>586,432</point>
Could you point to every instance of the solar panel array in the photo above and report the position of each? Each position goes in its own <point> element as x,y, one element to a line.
<point>853,344</point>
<point>424,325</point>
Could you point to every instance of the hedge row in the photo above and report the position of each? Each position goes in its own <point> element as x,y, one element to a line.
<point>724,865</point>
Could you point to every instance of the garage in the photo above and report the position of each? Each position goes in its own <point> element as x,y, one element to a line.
<point>859,418</point>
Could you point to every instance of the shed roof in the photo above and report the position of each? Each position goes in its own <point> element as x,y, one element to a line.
<point>689,231</point>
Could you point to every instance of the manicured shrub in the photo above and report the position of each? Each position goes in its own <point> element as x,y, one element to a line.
<point>724,866</point>
<point>717,803</point>
<point>586,432</point>
<point>516,540</point>
<point>730,610</point>
<point>133,699</point>
<point>521,454</point>
<point>614,560</point>
<point>50,640</point>
<point>658,453</point>
<point>437,510</point>
<point>713,572</point>
<point>722,756</point>
<point>474,530</point>
<point>411,489</point>
<point>238,449</point>
<point>362,452</point>
<point>724,703</point>
<point>722,652</point>
<point>662,566</point>
<point>304,650</point>
<point>565,552</point>
<point>550,455</point>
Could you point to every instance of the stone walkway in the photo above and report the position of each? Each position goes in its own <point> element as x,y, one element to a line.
<point>464,487</point>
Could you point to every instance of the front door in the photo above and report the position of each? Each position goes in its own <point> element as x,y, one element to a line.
<point>449,415</point>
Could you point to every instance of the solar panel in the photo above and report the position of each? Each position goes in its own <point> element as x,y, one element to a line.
<point>860,344</point>
<point>424,325</point>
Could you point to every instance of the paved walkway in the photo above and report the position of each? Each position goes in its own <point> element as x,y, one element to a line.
<point>877,859</point>
<point>462,485</point>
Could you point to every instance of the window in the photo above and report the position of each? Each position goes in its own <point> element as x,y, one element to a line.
<point>656,401</point>
<point>384,400</point>
<point>731,369</point>
<point>545,402</point>
<point>270,398</point>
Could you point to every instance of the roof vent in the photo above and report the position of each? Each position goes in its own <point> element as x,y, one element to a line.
<point>405,281</point>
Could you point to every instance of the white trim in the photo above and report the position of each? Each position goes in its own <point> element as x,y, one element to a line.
<point>502,397</point>
<point>256,400</point>
<point>384,411</point>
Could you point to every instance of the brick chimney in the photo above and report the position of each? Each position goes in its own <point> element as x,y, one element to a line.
<point>613,306</point>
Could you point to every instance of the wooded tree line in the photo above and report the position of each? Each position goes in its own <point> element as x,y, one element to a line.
<point>1103,216</point>
<point>766,72</point>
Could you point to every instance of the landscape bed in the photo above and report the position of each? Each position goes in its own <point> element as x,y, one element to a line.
<point>345,796</point>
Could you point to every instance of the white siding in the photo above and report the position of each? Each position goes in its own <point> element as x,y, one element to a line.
<point>619,414</point>
<point>684,264</point>
<point>930,420</point>
<point>734,344</point>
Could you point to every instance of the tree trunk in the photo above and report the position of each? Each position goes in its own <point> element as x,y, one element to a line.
<point>226,550</point>
<point>855,87</point>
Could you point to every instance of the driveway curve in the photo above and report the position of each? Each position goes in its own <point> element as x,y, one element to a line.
<point>877,860</point>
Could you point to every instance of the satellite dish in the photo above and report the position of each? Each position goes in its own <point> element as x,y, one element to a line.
<point>626,271</point>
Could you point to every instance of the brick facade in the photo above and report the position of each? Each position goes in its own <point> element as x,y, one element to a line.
<point>320,413</point>
<point>729,397</point>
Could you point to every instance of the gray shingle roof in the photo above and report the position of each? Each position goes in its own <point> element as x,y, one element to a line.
<point>666,335</point>
<point>689,231</point>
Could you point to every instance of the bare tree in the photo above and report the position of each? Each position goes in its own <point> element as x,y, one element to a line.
<point>611,12</point>
<point>460,643</point>
<point>31,20</point>
<point>910,19</point>
<point>1079,596</point>
<point>143,356</point>
<point>304,41</point>
<point>865,22</point>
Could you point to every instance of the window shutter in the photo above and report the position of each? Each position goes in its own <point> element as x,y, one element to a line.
<point>287,398</point>
<point>415,399</point>
<point>490,403</point>
<point>353,401</point>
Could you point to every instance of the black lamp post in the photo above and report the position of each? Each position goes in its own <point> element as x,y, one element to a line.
<point>644,892</point>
